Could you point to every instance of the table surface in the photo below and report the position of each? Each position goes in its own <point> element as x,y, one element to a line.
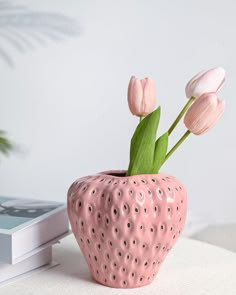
<point>192,267</point>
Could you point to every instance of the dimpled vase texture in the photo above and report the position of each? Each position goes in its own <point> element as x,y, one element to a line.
<point>125,226</point>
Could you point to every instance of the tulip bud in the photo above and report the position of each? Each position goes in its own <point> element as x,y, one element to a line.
<point>141,96</point>
<point>205,81</point>
<point>204,113</point>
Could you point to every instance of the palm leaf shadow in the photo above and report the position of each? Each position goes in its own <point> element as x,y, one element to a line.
<point>25,30</point>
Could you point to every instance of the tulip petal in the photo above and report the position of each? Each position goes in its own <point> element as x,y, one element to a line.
<point>149,97</point>
<point>204,82</point>
<point>135,93</point>
<point>192,82</point>
<point>136,97</point>
<point>141,96</point>
<point>130,85</point>
<point>204,113</point>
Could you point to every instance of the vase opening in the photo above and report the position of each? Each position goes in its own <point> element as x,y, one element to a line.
<point>117,174</point>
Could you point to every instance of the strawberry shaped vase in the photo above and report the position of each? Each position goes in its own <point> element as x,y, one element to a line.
<point>125,225</point>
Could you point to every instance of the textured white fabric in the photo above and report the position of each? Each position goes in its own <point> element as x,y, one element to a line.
<point>192,267</point>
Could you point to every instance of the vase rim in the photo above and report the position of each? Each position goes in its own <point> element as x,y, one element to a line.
<point>122,174</point>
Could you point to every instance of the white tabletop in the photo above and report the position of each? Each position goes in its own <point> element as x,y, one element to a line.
<point>192,267</point>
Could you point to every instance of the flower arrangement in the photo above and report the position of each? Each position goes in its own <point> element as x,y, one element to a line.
<point>203,108</point>
<point>126,222</point>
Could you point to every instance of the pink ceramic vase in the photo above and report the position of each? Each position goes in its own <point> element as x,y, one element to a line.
<point>125,225</point>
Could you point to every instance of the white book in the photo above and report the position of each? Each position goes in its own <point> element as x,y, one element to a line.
<point>27,224</point>
<point>9,271</point>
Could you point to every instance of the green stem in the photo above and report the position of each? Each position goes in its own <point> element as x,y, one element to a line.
<point>172,127</point>
<point>140,119</point>
<point>174,148</point>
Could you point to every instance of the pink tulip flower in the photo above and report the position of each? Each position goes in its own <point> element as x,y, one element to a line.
<point>141,96</point>
<point>206,81</point>
<point>204,113</point>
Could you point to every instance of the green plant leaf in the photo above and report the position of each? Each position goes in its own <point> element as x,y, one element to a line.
<point>160,152</point>
<point>5,144</point>
<point>143,145</point>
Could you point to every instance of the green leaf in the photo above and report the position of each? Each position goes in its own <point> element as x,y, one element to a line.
<point>143,145</point>
<point>5,144</point>
<point>2,132</point>
<point>160,152</point>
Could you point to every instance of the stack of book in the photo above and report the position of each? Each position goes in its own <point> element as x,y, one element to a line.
<point>28,230</point>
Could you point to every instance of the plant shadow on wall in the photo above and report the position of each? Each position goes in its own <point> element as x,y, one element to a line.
<point>23,30</point>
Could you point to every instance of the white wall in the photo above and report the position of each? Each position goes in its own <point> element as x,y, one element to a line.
<point>65,103</point>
